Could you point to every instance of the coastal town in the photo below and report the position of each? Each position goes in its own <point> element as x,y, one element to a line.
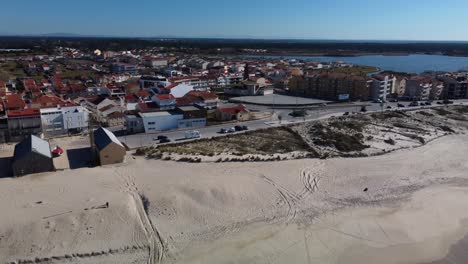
<point>146,91</point>
<point>153,96</point>
<point>152,149</point>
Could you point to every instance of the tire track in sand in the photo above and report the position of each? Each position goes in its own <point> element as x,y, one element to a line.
<point>290,199</point>
<point>155,241</point>
<point>310,179</point>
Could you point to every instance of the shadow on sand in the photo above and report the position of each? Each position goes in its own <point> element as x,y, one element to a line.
<point>79,158</point>
<point>5,167</point>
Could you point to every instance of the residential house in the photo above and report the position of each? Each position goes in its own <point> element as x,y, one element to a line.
<point>244,88</point>
<point>164,101</point>
<point>32,155</point>
<point>239,113</point>
<point>205,100</point>
<point>14,102</point>
<point>107,147</point>
<point>106,111</point>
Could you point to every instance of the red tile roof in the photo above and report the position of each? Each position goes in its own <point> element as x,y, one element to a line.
<point>47,101</point>
<point>204,95</point>
<point>143,106</point>
<point>233,110</point>
<point>130,97</point>
<point>14,101</point>
<point>165,97</point>
<point>143,94</point>
<point>24,112</point>
<point>187,100</point>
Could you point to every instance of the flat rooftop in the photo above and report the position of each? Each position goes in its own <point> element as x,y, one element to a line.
<point>188,108</point>
<point>155,114</point>
<point>276,99</point>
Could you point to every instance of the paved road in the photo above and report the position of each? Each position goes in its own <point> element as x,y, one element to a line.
<point>139,140</point>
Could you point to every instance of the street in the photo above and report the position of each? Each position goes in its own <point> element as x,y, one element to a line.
<point>141,140</point>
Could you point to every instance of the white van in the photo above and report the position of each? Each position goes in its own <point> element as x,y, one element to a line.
<point>192,134</point>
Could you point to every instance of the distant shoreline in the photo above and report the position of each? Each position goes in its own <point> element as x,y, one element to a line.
<point>347,55</point>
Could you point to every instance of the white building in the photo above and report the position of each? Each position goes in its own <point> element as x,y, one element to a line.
<point>156,62</point>
<point>199,83</point>
<point>179,90</point>
<point>381,86</point>
<point>160,121</point>
<point>153,81</point>
<point>62,120</point>
<point>228,80</point>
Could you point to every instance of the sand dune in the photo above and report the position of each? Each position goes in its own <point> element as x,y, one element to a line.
<point>299,211</point>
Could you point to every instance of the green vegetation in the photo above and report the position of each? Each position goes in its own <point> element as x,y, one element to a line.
<point>354,124</point>
<point>76,74</point>
<point>345,142</point>
<point>10,70</point>
<point>254,142</point>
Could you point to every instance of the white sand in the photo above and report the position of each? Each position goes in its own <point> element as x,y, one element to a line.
<point>301,211</point>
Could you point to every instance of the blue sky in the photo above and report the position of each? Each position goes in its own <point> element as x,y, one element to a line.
<point>301,19</point>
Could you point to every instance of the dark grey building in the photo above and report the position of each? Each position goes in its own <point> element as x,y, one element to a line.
<point>32,155</point>
<point>120,67</point>
<point>454,88</point>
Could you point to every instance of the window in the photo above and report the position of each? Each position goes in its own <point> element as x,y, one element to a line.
<point>151,123</point>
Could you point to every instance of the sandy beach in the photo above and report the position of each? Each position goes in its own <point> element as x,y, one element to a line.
<point>414,210</point>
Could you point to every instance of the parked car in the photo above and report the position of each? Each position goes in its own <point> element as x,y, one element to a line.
<point>231,130</point>
<point>192,134</point>
<point>428,103</point>
<point>439,102</point>
<point>363,109</point>
<point>238,128</point>
<point>298,113</point>
<point>400,105</point>
<point>164,140</point>
<point>346,113</point>
<point>223,131</point>
<point>413,104</point>
<point>161,137</point>
<point>389,107</point>
<point>245,127</point>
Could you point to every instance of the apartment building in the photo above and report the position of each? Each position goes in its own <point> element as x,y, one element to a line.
<point>381,86</point>
<point>331,86</point>
<point>418,88</point>
<point>454,87</point>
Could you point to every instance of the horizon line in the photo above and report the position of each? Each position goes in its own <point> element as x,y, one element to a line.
<point>162,37</point>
